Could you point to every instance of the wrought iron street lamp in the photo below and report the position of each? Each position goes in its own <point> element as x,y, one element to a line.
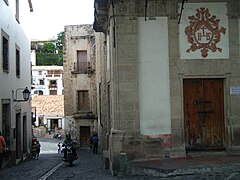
<point>26,94</point>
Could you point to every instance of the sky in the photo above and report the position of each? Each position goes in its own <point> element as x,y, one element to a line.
<point>50,16</point>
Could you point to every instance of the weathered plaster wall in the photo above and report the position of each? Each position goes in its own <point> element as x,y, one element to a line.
<point>77,38</point>
<point>154,96</point>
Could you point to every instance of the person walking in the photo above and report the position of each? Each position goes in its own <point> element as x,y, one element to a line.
<point>59,148</point>
<point>2,148</point>
<point>34,151</point>
<point>38,147</point>
<point>95,143</point>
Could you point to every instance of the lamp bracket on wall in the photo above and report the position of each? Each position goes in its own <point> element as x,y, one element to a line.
<point>25,93</point>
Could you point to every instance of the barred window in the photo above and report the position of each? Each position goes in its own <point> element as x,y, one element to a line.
<point>82,64</point>
<point>17,62</point>
<point>83,101</point>
<point>5,52</point>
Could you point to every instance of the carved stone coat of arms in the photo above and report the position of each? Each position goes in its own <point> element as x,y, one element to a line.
<point>203,32</point>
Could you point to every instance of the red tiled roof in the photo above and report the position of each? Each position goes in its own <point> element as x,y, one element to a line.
<point>48,104</point>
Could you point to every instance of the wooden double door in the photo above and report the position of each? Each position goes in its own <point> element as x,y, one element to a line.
<point>203,114</point>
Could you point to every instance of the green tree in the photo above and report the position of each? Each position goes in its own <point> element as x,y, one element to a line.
<point>59,46</point>
<point>48,47</point>
<point>50,54</point>
<point>47,59</point>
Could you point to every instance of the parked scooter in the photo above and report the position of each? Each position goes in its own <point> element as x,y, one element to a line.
<point>57,136</point>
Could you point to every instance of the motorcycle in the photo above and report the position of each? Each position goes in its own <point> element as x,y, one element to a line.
<point>69,154</point>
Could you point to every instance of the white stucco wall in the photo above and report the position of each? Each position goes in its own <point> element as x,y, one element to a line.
<point>215,9</point>
<point>33,57</point>
<point>17,37</point>
<point>154,76</point>
<point>8,80</point>
<point>47,78</point>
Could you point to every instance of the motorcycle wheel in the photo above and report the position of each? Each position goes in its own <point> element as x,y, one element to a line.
<point>71,163</point>
<point>71,160</point>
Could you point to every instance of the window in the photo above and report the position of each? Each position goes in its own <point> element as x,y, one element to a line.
<point>17,62</point>
<point>5,52</point>
<point>39,73</point>
<point>38,92</point>
<point>83,101</point>
<point>82,64</point>
<point>53,73</point>
<point>53,92</point>
<point>41,82</point>
<point>53,84</point>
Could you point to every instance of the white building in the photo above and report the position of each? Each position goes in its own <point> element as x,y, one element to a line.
<point>47,80</point>
<point>15,76</point>
<point>47,96</point>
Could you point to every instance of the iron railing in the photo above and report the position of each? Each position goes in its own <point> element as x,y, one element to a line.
<point>81,67</point>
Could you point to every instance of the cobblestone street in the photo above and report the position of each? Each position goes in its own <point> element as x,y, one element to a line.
<point>50,166</point>
<point>88,166</point>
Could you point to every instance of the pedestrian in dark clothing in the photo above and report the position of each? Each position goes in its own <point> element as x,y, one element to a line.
<point>38,146</point>
<point>95,143</point>
<point>59,148</point>
<point>34,151</point>
<point>69,141</point>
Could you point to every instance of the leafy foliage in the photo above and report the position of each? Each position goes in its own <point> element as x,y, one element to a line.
<point>50,53</point>
<point>47,59</point>
<point>48,47</point>
<point>59,46</point>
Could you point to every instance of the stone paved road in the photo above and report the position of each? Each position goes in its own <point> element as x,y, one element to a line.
<point>88,166</point>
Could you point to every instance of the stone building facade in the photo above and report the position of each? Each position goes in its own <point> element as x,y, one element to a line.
<point>80,103</point>
<point>169,75</point>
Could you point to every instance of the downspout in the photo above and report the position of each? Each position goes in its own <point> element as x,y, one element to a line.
<point>114,24</point>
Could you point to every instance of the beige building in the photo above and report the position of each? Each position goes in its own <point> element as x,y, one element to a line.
<point>80,104</point>
<point>169,77</point>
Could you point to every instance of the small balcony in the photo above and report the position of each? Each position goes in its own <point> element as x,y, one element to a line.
<point>54,75</point>
<point>52,87</point>
<point>84,115</point>
<point>80,68</point>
